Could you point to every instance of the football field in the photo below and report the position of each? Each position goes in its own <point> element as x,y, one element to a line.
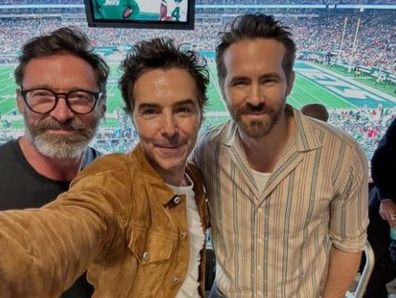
<point>313,84</point>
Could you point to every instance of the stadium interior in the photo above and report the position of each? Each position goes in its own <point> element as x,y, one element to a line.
<point>334,39</point>
<point>346,59</point>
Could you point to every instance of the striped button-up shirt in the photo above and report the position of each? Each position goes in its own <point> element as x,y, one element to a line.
<point>276,243</point>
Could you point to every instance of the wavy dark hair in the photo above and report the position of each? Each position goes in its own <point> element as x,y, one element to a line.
<point>161,53</point>
<point>64,40</point>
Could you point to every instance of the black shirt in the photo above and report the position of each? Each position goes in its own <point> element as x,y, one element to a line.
<point>22,187</point>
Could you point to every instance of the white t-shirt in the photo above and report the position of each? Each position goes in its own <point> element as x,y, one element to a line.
<point>189,288</point>
<point>261,179</point>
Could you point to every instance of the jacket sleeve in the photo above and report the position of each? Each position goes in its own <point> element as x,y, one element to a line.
<point>383,164</point>
<point>42,251</point>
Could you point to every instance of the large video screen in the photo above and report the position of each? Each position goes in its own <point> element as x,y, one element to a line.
<point>160,14</point>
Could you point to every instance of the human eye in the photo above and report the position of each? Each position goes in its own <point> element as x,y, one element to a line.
<point>269,80</point>
<point>239,83</point>
<point>40,95</point>
<point>81,97</point>
<point>149,111</point>
<point>185,109</point>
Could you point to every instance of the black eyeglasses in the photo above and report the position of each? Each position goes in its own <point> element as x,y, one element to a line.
<point>43,101</point>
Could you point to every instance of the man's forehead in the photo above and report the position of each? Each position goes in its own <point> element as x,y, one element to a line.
<point>259,47</point>
<point>167,86</point>
<point>60,71</point>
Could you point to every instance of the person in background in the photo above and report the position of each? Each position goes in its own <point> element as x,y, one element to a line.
<point>116,10</point>
<point>62,97</point>
<point>316,110</point>
<point>287,194</point>
<point>136,221</point>
<point>382,213</point>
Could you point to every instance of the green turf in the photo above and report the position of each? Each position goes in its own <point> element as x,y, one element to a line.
<point>306,90</point>
<point>386,87</point>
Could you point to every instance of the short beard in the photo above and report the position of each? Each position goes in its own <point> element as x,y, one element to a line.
<point>60,147</point>
<point>255,129</point>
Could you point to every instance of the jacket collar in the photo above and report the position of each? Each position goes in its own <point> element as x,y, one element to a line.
<point>158,186</point>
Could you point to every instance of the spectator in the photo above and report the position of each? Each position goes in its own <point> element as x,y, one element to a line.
<point>382,212</point>
<point>62,97</point>
<point>316,110</point>
<point>135,220</point>
<point>286,192</point>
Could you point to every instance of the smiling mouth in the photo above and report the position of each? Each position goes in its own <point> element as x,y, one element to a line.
<point>255,114</point>
<point>61,131</point>
<point>170,151</point>
<point>168,146</point>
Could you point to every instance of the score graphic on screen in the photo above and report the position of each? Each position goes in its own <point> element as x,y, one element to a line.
<point>173,10</point>
<point>161,14</point>
<point>155,10</point>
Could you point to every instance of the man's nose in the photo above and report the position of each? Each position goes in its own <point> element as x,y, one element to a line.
<point>169,125</point>
<point>62,112</point>
<point>255,94</point>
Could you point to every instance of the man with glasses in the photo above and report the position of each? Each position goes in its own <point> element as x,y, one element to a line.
<point>61,95</point>
<point>137,220</point>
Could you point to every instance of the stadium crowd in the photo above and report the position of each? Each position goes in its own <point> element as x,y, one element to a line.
<point>215,2</point>
<point>326,2</point>
<point>366,125</point>
<point>314,30</point>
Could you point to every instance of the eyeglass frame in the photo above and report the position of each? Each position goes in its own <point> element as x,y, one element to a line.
<point>57,95</point>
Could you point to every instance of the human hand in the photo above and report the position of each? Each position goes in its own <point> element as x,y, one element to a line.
<point>387,211</point>
<point>127,12</point>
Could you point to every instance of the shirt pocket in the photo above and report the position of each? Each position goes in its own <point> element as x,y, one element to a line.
<point>150,247</point>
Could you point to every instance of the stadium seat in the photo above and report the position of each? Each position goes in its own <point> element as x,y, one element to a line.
<point>210,268</point>
<point>358,289</point>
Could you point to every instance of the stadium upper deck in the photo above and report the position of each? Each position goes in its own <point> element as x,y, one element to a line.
<point>221,2</point>
<point>317,30</point>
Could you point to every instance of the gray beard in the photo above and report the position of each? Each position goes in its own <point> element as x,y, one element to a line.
<point>59,147</point>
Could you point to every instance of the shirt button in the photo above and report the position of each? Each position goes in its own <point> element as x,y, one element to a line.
<point>176,280</point>
<point>176,200</point>
<point>183,235</point>
<point>146,256</point>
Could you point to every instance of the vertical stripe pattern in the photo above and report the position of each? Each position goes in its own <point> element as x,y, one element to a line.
<point>276,243</point>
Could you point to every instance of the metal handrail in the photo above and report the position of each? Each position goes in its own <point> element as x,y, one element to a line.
<point>365,275</point>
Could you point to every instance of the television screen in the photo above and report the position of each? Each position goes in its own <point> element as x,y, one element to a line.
<point>160,14</point>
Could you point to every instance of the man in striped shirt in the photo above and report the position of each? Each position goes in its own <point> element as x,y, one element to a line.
<point>288,194</point>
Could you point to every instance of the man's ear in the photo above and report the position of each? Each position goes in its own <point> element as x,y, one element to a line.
<point>103,110</point>
<point>19,101</point>
<point>290,82</point>
<point>103,107</point>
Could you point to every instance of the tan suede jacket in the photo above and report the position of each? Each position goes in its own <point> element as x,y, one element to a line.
<point>118,219</point>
